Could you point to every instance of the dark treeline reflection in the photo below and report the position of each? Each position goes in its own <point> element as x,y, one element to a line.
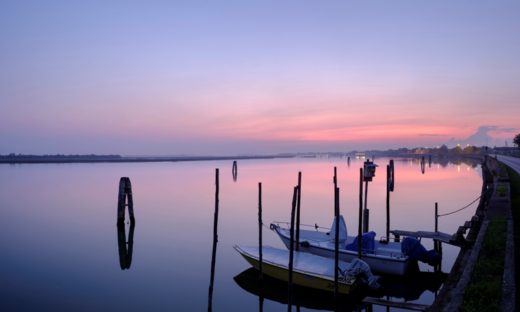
<point>125,247</point>
<point>442,161</point>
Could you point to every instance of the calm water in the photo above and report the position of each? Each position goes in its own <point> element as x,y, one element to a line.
<point>59,240</point>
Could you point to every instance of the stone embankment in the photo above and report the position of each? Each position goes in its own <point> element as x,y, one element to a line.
<point>494,203</point>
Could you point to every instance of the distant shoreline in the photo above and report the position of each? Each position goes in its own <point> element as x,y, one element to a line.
<point>57,159</point>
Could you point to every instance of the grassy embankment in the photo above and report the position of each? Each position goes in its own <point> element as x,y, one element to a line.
<point>485,290</point>
<point>515,207</point>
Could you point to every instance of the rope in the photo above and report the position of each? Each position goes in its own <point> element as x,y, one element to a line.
<point>468,205</point>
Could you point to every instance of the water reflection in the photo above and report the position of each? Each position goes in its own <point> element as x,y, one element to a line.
<point>410,287</point>
<point>393,288</point>
<point>276,290</point>
<point>125,247</point>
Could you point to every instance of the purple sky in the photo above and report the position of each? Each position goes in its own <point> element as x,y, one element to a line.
<point>228,77</point>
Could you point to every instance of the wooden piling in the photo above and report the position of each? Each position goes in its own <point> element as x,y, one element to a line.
<point>291,249</point>
<point>234,170</point>
<point>360,211</point>
<point>336,241</point>
<point>436,217</point>
<point>388,177</point>
<point>260,246</point>
<point>298,210</point>
<point>125,200</point>
<point>437,244</point>
<point>366,211</point>
<point>215,240</point>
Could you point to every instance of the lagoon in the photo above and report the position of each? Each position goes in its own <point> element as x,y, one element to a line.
<point>59,240</point>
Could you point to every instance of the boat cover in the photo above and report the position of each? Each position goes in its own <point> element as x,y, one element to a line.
<point>367,242</point>
<point>413,248</point>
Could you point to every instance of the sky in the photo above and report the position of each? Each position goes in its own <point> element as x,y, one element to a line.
<point>256,77</point>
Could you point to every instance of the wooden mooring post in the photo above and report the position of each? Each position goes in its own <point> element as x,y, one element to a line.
<point>234,170</point>
<point>291,250</point>
<point>125,200</point>
<point>260,246</point>
<point>336,239</point>
<point>366,213</point>
<point>437,245</point>
<point>360,224</point>
<point>298,205</point>
<point>390,177</point>
<point>215,240</point>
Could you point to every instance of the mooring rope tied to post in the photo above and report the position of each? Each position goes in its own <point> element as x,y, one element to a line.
<point>468,205</point>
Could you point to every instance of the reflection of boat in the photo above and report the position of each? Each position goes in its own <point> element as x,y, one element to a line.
<point>309,270</point>
<point>394,287</point>
<point>276,290</point>
<point>409,287</point>
<point>382,256</point>
<point>125,252</point>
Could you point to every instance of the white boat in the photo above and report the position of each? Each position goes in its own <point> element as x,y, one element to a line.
<point>382,257</point>
<point>309,270</point>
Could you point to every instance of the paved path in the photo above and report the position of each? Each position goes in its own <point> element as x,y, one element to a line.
<point>512,162</point>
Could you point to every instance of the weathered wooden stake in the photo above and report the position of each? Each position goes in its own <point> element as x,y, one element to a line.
<point>234,170</point>
<point>215,240</point>
<point>437,244</point>
<point>336,241</point>
<point>360,211</point>
<point>260,246</point>
<point>436,217</point>
<point>291,249</point>
<point>298,210</point>
<point>366,212</point>
<point>125,200</point>
<point>388,177</point>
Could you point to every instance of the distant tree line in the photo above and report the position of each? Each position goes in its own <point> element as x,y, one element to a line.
<point>56,157</point>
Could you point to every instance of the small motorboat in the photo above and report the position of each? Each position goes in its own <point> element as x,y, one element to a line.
<point>310,270</point>
<point>383,256</point>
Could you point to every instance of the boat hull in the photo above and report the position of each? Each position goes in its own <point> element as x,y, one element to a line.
<point>300,277</point>
<point>378,264</point>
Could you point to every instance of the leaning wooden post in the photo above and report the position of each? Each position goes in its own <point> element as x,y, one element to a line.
<point>336,242</point>
<point>291,249</point>
<point>360,210</point>
<point>260,228</point>
<point>298,210</point>
<point>215,240</point>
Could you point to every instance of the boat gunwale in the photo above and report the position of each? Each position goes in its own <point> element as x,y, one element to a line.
<point>365,254</point>
<point>324,277</point>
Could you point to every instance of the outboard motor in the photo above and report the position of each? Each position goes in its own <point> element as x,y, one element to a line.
<point>413,248</point>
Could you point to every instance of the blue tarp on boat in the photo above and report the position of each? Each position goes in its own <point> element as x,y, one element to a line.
<point>367,242</point>
<point>413,248</point>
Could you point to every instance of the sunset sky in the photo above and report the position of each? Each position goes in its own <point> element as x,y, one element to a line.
<point>241,77</point>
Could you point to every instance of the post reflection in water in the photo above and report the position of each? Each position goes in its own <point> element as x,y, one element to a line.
<point>125,247</point>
